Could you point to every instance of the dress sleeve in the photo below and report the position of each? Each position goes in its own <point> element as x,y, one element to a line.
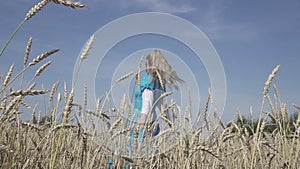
<point>147,104</point>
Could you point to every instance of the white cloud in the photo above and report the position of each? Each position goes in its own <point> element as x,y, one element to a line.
<point>214,23</point>
<point>164,6</point>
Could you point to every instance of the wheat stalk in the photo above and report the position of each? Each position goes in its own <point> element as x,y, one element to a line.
<point>28,92</point>
<point>69,3</point>
<point>53,90</point>
<point>68,106</point>
<point>87,48</point>
<point>42,68</point>
<point>170,123</point>
<point>123,105</point>
<point>276,91</point>
<point>98,104</point>
<point>65,92</point>
<point>57,127</point>
<point>122,132</point>
<point>219,120</point>
<point>39,120</point>
<point>123,77</point>
<point>271,104</point>
<point>159,78</point>
<point>85,99</point>
<point>27,52</point>
<point>8,76</point>
<point>269,81</point>
<point>38,7</point>
<point>205,149</point>
<point>42,56</point>
<point>31,86</point>
<point>13,103</point>
<point>26,124</point>
<point>58,97</point>
<point>257,134</point>
<point>296,106</point>
<point>100,115</point>
<point>205,117</point>
<point>116,123</point>
<point>29,14</point>
<point>83,56</point>
<point>37,73</point>
<point>33,113</point>
<point>53,115</point>
<point>28,48</point>
<point>297,124</point>
<point>34,10</point>
<point>67,110</point>
<point>138,78</point>
<point>4,103</point>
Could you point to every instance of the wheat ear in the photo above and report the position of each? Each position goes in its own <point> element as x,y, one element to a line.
<point>257,134</point>
<point>33,113</point>
<point>34,10</point>
<point>68,106</point>
<point>65,92</point>
<point>123,77</point>
<point>27,52</point>
<point>28,92</point>
<point>7,78</point>
<point>83,56</point>
<point>42,56</point>
<point>87,48</point>
<point>85,99</point>
<point>159,78</point>
<point>13,103</point>
<point>138,78</point>
<point>42,68</point>
<point>4,103</point>
<point>69,3</point>
<point>53,90</point>
<point>28,48</point>
<point>269,81</point>
<point>116,123</point>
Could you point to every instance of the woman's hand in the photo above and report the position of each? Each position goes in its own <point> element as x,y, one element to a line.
<point>142,121</point>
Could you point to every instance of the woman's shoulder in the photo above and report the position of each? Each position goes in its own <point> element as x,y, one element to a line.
<point>146,83</point>
<point>145,79</point>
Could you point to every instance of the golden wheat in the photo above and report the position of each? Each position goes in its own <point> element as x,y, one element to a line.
<point>68,105</point>
<point>7,78</point>
<point>138,75</point>
<point>42,68</point>
<point>270,79</point>
<point>66,143</point>
<point>34,10</point>
<point>69,3</point>
<point>42,56</point>
<point>53,90</point>
<point>65,92</point>
<point>124,77</point>
<point>28,48</point>
<point>28,92</point>
<point>87,48</point>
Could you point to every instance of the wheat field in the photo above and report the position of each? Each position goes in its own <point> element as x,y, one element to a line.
<point>63,137</point>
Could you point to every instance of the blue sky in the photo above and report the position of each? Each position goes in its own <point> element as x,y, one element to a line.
<point>250,37</point>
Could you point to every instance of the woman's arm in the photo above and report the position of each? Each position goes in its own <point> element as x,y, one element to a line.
<point>147,98</point>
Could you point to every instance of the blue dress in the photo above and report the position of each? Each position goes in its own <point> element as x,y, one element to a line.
<point>146,83</point>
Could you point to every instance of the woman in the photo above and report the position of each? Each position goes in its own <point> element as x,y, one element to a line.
<point>160,75</point>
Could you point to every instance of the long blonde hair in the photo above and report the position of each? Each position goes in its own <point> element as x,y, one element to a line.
<point>161,70</point>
